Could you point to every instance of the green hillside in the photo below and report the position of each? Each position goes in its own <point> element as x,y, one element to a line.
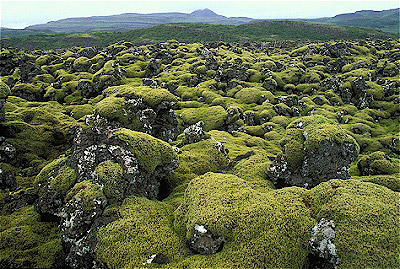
<point>386,20</point>
<point>196,32</point>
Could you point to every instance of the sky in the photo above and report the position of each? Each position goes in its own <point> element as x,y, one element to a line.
<point>19,14</point>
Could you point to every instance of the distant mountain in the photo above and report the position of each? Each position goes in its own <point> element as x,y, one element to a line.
<point>386,20</point>
<point>129,21</point>
<point>198,32</point>
<point>8,32</point>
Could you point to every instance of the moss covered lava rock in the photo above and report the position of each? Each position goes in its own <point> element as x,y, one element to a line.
<point>315,149</point>
<point>228,207</point>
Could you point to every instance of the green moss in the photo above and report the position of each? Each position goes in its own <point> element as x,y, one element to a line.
<point>213,117</point>
<point>318,129</point>
<point>378,164</point>
<point>227,206</point>
<point>294,154</point>
<point>79,111</point>
<point>366,219</point>
<point>153,97</point>
<point>27,242</point>
<point>389,181</point>
<point>254,130</point>
<point>149,151</point>
<point>53,94</point>
<point>253,169</point>
<point>197,159</point>
<point>40,127</point>
<point>249,95</point>
<point>110,175</point>
<point>42,60</point>
<point>64,180</point>
<point>143,230</point>
<point>4,90</point>
<point>112,108</point>
<point>82,62</point>
<point>87,194</point>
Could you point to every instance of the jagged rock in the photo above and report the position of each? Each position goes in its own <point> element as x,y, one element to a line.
<point>7,151</point>
<point>158,258</point>
<point>87,89</point>
<point>228,71</point>
<point>2,116</point>
<point>221,148</point>
<point>88,52</point>
<point>158,120</point>
<point>250,118</point>
<point>7,180</point>
<point>290,101</point>
<point>103,167</point>
<point>323,252</point>
<point>356,94</point>
<point>153,68</point>
<point>194,133</point>
<point>211,62</point>
<point>314,150</point>
<point>204,242</point>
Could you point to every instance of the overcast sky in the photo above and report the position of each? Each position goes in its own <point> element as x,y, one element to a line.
<point>19,14</point>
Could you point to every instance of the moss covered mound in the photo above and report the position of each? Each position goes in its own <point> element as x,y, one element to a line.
<point>366,216</point>
<point>250,222</point>
<point>142,230</point>
<point>149,151</point>
<point>27,242</point>
<point>315,149</point>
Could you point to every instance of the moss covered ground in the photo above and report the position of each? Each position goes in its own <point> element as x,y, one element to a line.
<point>258,102</point>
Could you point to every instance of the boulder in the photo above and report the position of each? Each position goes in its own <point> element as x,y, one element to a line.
<point>103,167</point>
<point>315,149</point>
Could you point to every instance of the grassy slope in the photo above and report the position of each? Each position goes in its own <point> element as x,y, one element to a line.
<point>387,20</point>
<point>196,32</point>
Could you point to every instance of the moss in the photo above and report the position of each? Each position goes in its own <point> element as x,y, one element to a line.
<point>110,175</point>
<point>79,111</point>
<point>197,159</point>
<point>40,128</point>
<point>227,206</point>
<point>153,97</point>
<point>318,129</point>
<point>281,120</point>
<point>27,242</point>
<point>64,180</point>
<point>249,95</point>
<point>239,143</point>
<point>149,151</point>
<point>87,193</point>
<point>53,94</point>
<point>377,163</point>
<point>4,90</point>
<point>82,62</point>
<point>213,117</point>
<point>294,154</point>
<point>253,170</point>
<point>366,219</point>
<point>254,130</point>
<point>143,230</point>
<point>42,60</point>
<point>112,108</point>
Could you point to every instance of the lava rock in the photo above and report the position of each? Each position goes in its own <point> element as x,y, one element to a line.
<point>323,252</point>
<point>77,188</point>
<point>194,133</point>
<point>204,242</point>
<point>312,155</point>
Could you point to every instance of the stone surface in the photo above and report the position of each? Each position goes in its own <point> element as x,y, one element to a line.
<point>204,242</point>
<point>194,133</point>
<point>323,253</point>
